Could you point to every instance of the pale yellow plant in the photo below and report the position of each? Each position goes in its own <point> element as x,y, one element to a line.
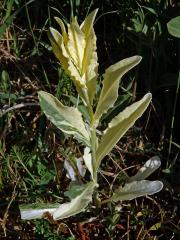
<point>75,47</point>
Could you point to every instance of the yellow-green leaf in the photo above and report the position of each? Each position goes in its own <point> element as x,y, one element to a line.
<point>119,125</point>
<point>77,205</point>
<point>90,59</point>
<point>155,227</point>
<point>63,29</point>
<point>87,25</point>
<point>59,50</point>
<point>68,119</point>
<point>76,44</point>
<point>90,65</point>
<point>112,77</point>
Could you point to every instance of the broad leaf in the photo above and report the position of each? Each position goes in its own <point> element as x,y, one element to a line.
<point>149,167</point>
<point>112,77</point>
<point>119,125</point>
<point>137,189</point>
<point>68,119</point>
<point>34,211</point>
<point>174,27</point>
<point>77,205</point>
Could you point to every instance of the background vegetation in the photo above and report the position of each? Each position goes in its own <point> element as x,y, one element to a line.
<point>32,152</point>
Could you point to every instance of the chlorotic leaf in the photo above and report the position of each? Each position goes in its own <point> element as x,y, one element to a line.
<point>112,77</point>
<point>77,205</point>
<point>137,189</point>
<point>87,24</point>
<point>68,119</point>
<point>149,167</point>
<point>76,43</point>
<point>90,59</point>
<point>63,30</point>
<point>76,51</point>
<point>119,125</point>
<point>59,50</point>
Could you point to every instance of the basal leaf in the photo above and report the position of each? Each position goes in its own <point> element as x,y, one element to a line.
<point>137,189</point>
<point>149,167</point>
<point>75,190</point>
<point>68,119</point>
<point>35,211</point>
<point>112,77</point>
<point>77,205</point>
<point>119,125</point>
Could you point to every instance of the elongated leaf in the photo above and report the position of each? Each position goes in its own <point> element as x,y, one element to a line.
<point>63,30</point>
<point>87,24</point>
<point>68,119</point>
<point>149,167</point>
<point>58,47</point>
<point>112,77</point>
<point>35,211</point>
<point>76,44</point>
<point>119,125</point>
<point>90,59</point>
<point>77,205</point>
<point>174,27</point>
<point>137,189</point>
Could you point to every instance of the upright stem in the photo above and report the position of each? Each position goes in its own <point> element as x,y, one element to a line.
<point>93,137</point>
<point>93,150</point>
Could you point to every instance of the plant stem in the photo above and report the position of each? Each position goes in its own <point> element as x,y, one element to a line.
<point>93,137</point>
<point>93,151</point>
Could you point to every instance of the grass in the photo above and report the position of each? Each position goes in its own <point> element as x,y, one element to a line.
<point>32,152</point>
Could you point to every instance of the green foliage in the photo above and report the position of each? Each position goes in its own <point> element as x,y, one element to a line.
<point>173,27</point>
<point>8,18</point>
<point>45,230</point>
